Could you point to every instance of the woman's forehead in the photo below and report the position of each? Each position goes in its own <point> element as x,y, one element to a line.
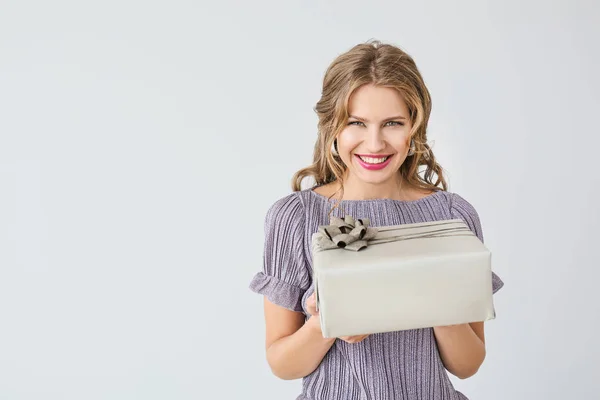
<point>376,103</point>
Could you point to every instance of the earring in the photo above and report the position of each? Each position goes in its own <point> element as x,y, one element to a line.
<point>411,151</point>
<point>334,148</point>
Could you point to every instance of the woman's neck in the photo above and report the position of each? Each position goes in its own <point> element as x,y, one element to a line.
<point>395,189</point>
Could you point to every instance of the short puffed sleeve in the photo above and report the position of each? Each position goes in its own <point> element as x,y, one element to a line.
<point>462,209</point>
<point>285,275</point>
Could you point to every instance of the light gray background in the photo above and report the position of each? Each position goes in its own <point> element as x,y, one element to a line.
<point>142,142</point>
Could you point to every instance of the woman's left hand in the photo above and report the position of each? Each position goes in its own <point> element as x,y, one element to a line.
<point>311,306</point>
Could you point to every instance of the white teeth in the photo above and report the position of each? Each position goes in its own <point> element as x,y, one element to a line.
<point>371,160</point>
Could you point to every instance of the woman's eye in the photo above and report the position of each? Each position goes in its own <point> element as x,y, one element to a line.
<point>389,123</point>
<point>395,123</point>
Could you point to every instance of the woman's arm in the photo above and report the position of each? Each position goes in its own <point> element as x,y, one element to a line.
<point>295,348</point>
<point>462,348</point>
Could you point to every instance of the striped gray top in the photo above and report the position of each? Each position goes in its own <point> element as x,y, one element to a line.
<point>403,365</point>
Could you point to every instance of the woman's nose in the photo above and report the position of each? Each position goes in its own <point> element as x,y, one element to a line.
<point>374,140</point>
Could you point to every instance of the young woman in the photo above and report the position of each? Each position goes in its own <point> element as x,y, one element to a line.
<point>371,159</point>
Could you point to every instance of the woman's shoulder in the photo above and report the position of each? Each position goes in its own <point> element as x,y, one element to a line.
<point>459,204</point>
<point>462,208</point>
<point>288,209</point>
<point>455,204</point>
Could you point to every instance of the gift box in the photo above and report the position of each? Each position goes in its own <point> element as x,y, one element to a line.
<point>373,280</point>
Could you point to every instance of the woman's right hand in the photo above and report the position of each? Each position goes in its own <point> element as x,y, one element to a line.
<point>311,307</point>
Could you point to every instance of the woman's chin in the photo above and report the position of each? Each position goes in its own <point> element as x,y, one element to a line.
<point>374,177</point>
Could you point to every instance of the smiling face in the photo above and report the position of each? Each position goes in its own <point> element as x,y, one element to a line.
<point>376,139</point>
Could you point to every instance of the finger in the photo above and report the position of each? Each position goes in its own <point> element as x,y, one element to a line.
<point>311,305</point>
<point>313,300</point>
<point>354,339</point>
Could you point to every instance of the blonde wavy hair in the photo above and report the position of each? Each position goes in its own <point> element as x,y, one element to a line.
<point>383,65</point>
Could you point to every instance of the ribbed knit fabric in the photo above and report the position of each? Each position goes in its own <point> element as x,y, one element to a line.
<point>403,365</point>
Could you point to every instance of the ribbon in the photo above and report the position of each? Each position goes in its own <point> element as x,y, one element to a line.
<point>348,233</point>
<point>355,235</point>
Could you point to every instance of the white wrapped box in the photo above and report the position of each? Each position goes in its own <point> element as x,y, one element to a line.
<point>407,277</point>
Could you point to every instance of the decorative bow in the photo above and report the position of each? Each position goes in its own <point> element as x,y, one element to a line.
<point>347,233</point>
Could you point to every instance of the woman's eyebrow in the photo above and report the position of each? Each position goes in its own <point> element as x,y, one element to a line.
<point>385,120</point>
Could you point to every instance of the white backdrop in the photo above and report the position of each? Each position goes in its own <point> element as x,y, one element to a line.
<point>137,137</point>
